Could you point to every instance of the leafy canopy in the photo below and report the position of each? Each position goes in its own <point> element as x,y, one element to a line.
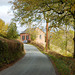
<point>32,32</point>
<point>12,31</point>
<point>3,28</point>
<point>27,10</point>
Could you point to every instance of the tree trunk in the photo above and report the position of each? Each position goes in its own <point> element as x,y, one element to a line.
<point>66,41</point>
<point>74,38</point>
<point>46,36</point>
<point>49,38</point>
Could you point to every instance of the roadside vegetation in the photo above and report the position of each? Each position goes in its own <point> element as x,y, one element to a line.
<point>8,31</point>
<point>32,32</point>
<point>64,65</point>
<point>30,12</point>
<point>61,42</point>
<point>11,49</point>
<point>57,14</point>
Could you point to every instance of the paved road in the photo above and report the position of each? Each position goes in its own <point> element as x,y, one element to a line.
<point>33,63</point>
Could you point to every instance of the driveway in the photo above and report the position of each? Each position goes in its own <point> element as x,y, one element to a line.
<point>33,63</point>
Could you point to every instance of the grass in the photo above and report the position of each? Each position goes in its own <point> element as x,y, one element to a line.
<point>1,37</point>
<point>60,51</point>
<point>64,65</point>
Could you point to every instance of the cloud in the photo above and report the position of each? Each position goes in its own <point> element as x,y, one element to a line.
<point>20,29</point>
<point>4,2</point>
<point>6,17</point>
<point>4,13</point>
<point>5,7</point>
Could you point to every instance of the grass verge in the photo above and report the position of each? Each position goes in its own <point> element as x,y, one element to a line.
<point>63,65</point>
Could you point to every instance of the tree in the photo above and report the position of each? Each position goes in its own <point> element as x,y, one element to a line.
<point>25,10</point>
<point>32,32</point>
<point>59,39</point>
<point>12,31</point>
<point>3,28</point>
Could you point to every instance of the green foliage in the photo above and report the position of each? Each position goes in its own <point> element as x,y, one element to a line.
<point>27,10</point>
<point>59,12</point>
<point>40,46</point>
<point>18,37</point>
<point>10,51</point>
<point>63,69</point>
<point>32,32</point>
<point>59,39</point>
<point>3,28</point>
<point>6,31</point>
<point>3,53</point>
<point>12,31</point>
<point>64,65</point>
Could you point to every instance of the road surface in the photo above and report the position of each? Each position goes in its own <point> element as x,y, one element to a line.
<point>33,63</point>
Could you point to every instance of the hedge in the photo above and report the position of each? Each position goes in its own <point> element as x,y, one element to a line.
<point>38,45</point>
<point>10,51</point>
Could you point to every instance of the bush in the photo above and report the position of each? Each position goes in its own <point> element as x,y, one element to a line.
<point>29,41</point>
<point>10,51</point>
<point>38,45</point>
<point>3,53</point>
<point>12,31</point>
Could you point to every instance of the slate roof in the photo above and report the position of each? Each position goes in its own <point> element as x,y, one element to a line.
<point>25,31</point>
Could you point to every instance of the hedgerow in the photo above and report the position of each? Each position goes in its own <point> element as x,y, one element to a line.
<point>10,51</point>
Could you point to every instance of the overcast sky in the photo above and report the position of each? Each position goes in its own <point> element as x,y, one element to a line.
<point>5,8</point>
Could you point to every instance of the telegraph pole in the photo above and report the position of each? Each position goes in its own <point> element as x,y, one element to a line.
<point>46,36</point>
<point>47,33</point>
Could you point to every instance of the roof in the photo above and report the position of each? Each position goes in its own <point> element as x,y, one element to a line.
<point>25,31</point>
<point>41,29</point>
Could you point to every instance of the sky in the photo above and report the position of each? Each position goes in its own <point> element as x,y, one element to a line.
<point>6,14</point>
<point>4,9</point>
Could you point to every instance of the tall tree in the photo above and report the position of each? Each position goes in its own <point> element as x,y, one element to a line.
<point>3,28</point>
<point>12,31</point>
<point>25,10</point>
<point>32,32</point>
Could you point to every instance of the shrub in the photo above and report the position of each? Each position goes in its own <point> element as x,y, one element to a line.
<point>3,52</point>
<point>29,41</point>
<point>10,51</point>
<point>38,45</point>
